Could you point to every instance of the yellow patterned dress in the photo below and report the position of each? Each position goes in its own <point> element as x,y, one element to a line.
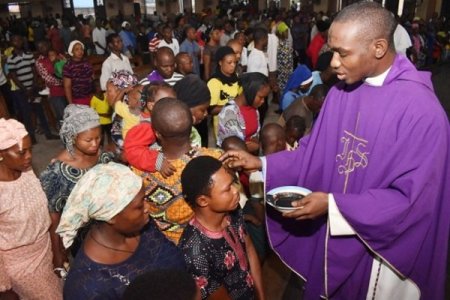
<point>167,206</point>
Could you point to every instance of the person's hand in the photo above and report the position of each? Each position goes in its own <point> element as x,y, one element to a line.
<point>312,206</point>
<point>238,159</point>
<point>59,259</point>
<point>167,169</point>
<point>9,295</point>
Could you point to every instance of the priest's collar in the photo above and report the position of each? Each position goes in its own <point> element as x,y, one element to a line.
<point>377,80</point>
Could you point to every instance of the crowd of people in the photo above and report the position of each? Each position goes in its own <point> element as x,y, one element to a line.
<point>142,204</point>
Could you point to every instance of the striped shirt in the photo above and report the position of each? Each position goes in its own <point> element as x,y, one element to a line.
<point>23,66</point>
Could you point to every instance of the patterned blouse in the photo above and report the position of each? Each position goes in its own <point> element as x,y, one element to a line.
<point>59,178</point>
<point>80,72</point>
<point>90,280</point>
<point>232,123</point>
<point>218,259</point>
<point>167,205</point>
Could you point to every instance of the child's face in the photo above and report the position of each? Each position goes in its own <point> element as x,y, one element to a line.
<point>224,195</point>
<point>161,93</point>
<point>186,64</point>
<point>52,56</point>
<point>199,112</point>
<point>134,97</point>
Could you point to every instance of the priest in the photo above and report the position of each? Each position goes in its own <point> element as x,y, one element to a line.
<point>378,161</point>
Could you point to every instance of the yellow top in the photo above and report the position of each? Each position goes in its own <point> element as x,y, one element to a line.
<point>102,107</point>
<point>220,95</point>
<point>129,119</point>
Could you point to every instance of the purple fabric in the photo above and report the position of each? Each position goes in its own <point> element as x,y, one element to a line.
<point>80,72</point>
<point>154,76</point>
<point>384,154</point>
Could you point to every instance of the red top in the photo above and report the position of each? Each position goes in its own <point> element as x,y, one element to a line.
<point>314,48</point>
<point>250,116</point>
<point>136,147</point>
<point>45,69</point>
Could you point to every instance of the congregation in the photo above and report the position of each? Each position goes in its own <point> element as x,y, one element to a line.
<point>160,191</point>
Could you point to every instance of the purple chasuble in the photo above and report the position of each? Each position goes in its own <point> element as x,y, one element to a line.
<point>155,76</point>
<point>384,154</point>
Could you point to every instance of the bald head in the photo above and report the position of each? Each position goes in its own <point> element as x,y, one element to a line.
<point>371,20</point>
<point>273,138</point>
<point>165,62</point>
<point>233,143</point>
<point>172,118</point>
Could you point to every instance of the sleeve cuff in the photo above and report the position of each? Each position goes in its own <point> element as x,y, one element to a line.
<point>159,161</point>
<point>338,224</point>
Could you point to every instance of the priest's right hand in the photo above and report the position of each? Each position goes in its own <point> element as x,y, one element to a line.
<point>238,159</point>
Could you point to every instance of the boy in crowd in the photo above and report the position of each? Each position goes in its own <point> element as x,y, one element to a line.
<point>184,63</point>
<point>116,61</point>
<point>217,250</point>
<point>190,46</point>
<point>295,130</point>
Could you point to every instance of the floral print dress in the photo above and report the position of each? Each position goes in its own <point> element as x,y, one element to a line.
<point>285,63</point>
<point>218,259</point>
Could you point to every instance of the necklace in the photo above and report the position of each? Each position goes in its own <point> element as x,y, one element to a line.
<point>108,247</point>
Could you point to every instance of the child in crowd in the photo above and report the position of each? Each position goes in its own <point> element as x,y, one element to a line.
<point>139,144</point>
<point>272,138</point>
<point>185,65</point>
<point>217,250</point>
<point>58,62</point>
<point>295,130</point>
<point>123,94</point>
<point>104,110</point>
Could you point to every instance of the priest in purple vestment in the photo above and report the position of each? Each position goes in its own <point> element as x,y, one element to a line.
<point>378,161</point>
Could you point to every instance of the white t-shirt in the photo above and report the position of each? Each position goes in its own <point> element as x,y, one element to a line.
<point>174,45</point>
<point>112,64</point>
<point>402,41</point>
<point>272,49</point>
<point>257,62</point>
<point>99,36</point>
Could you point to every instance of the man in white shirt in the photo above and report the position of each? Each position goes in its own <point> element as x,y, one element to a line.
<point>257,60</point>
<point>99,37</point>
<point>169,41</point>
<point>116,61</point>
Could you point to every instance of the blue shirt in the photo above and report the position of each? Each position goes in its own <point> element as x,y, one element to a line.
<point>193,49</point>
<point>90,280</point>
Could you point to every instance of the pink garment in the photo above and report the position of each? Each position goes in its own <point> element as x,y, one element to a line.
<point>25,247</point>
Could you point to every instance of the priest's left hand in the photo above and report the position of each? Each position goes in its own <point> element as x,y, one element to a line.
<point>312,206</point>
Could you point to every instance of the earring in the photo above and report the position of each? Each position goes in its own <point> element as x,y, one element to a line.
<point>1,158</point>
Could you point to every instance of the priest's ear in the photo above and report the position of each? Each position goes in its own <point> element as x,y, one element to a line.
<point>380,47</point>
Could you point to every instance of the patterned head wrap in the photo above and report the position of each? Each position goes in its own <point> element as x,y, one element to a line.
<point>11,132</point>
<point>77,118</point>
<point>72,44</point>
<point>123,79</point>
<point>102,193</point>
